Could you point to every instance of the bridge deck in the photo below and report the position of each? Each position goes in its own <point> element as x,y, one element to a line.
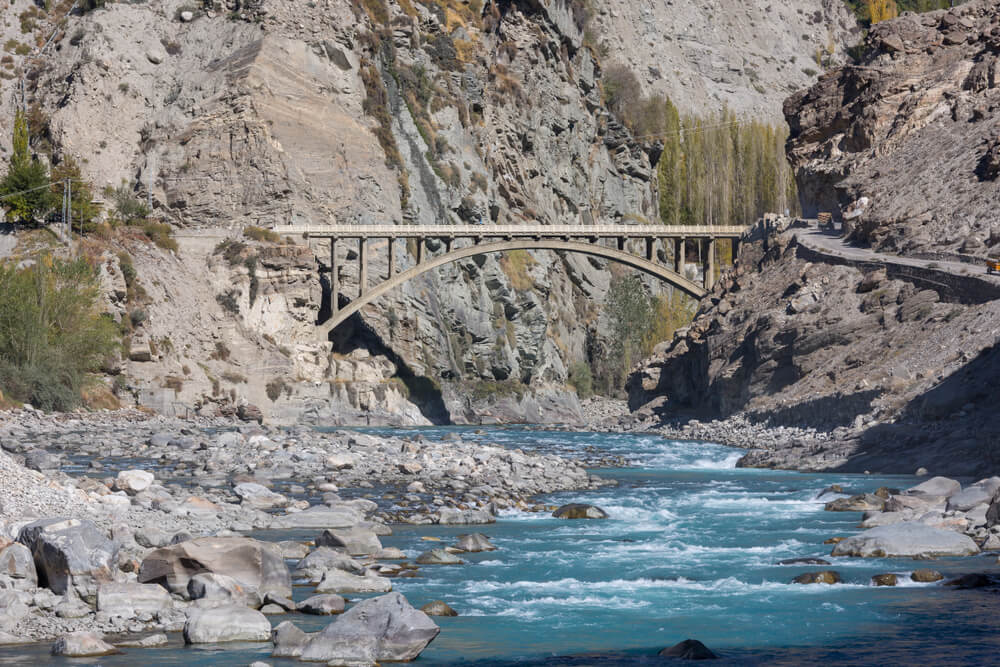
<point>515,231</point>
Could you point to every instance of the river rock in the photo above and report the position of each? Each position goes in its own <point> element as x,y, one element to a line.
<point>150,641</point>
<point>386,628</point>
<point>391,553</point>
<point>314,565</point>
<point>438,557</point>
<point>474,543</point>
<point>580,511</point>
<point>82,645</point>
<point>319,516</point>
<point>134,481</point>
<point>356,541</point>
<point>917,503</point>
<point>291,550</point>
<point>873,519</point>
<point>909,538</point>
<point>226,624</point>
<point>130,599</point>
<point>454,517</point>
<point>257,566</point>
<point>18,566</point>
<point>935,486</point>
<point>12,609</point>
<point>825,577</point>
<point>859,503</point>
<point>926,576</point>
<point>803,561</point>
<point>70,552</point>
<point>438,608</point>
<point>220,590</point>
<point>885,579</point>
<point>972,580</point>
<point>689,649</point>
<point>338,581</point>
<point>973,495</point>
<point>322,605</point>
<point>257,496</point>
<point>289,640</point>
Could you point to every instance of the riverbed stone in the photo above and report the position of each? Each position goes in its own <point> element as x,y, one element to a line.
<point>226,624</point>
<point>322,605</point>
<point>257,496</point>
<point>438,608</point>
<point>355,541</point>
<point>314,565</point>
<point>12,609</point>
<point>211,589</point>
<point>149,641</point>
<point>449,516</point>
<point>338,581</point>
<point>319,517</point>
<point>70,553</point>
<point>926,576</point>
<point>388,626</point>
<point>257,566</point>
<point>579,511</point>
<point>689,649</point>
<point>971,496</point>
<point>474,543</point>
<point>908,538</point>
<point>859,503</point>
<point>82,645</point>
<point>18,565</point>
<point>288,640</point>
<point>134,481</point>
<point>887,579</point>
<point>829,577</point>
<point>935,486</point>
<point>131,599</point>
<point>438,557</point>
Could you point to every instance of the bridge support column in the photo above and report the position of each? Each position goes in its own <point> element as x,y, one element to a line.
<point>420,250</point>
<point>334,278</point>
<point>710,265</point>
<point>392,260</point>
<point>679,250</point>
<point>621,243</point>
<point>649,248</point>
<point>362,266</point>
<point>735,249</point>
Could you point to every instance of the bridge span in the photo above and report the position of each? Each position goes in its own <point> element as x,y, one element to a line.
<point>611,242</point>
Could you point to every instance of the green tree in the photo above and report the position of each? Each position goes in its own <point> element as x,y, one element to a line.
<point>24,189</point>
<point>52,334</point>
<point>85,211</point>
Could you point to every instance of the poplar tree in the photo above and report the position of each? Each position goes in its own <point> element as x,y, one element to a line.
<point>24,188</point>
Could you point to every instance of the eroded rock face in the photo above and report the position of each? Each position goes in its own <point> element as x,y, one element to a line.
<point>926,81</point>
<point>71,553</point>
<point>257,566</point>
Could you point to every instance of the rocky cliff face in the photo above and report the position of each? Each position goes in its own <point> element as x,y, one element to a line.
<point>271,113</point>
<point>913,128</point>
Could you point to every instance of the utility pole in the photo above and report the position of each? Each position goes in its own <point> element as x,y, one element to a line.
<point>149,185</point>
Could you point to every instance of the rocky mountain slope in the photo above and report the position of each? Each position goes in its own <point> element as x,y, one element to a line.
<point>894,369</point>
<point>913,128</point>
<point>269,113</point>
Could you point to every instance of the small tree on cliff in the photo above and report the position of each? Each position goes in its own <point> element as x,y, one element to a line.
<point>882,10</point>
<point>25,188</point>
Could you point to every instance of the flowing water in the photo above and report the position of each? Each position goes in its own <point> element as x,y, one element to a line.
<point>690,550</point>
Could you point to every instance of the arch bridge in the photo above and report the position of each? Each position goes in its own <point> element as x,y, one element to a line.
<point>611,242</point>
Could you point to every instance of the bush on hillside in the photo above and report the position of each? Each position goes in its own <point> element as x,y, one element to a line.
<point>52,334</point>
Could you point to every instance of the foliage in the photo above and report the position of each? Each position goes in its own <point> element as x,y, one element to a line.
<point>870,12</point>
<point>621,89</point>
<point>128,209</point>
<point>881,10</point>
<point>376,105</point>
<point>721,170</point>
<point>84,211</point>
<point>275,387</point>
<point>261,234</point>
<point>581,379</point>
<point>24,188</point>
<point>51,332</point>
<point>515,265</point>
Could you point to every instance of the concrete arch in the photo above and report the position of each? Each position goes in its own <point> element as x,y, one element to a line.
<point>644,265</point>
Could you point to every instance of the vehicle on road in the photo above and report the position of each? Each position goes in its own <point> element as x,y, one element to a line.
<point>992,266</point>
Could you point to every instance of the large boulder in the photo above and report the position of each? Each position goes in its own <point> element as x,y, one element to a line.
<point>220,590</point>
<point>828,577</point>
<point>580,511</point>
<point>474,543</point>
<point>860,503</point>
<point>319,517</point>
<point>257,566</point>
<point>935,486</point>
<point>70,553</point>
<point>12,609</point>
<point>908,538</point>
<point>969,497</point>
<point>226,624</point>
<point>17,566</point>
<point>289,640</point>
<point>356,541</point>
<point>82,645</point>
<point>395,630</point>
<point>438,557</point>
<point>315,565</point>
<point>438,608</point>
<point>134,481</point>
<point>338,581</point>
<point>322,605</point>
<point>129,599</point>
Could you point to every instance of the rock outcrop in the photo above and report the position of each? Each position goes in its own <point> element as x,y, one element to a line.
<point>912,128</point>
